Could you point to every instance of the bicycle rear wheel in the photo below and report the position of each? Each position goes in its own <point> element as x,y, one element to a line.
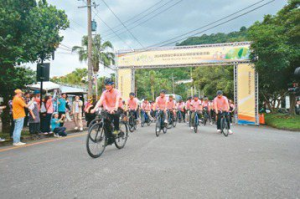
<point>142,121</point>
<point>196,124</point>
<point>225,129</point>
<point>174,122</point>
<point>121,138</point>
<point>157,127</point>
<point>131,124</point>
<point>96,140</point>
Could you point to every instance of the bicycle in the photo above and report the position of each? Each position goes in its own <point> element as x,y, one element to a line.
<point>96,120</point>
<point>131,121</point>
<point>172,121</point>
<point>145,119</point>
<point>224,124</point>
<point>196,122</point>
<point>205,116</point>
<point>100,134</point>
<point>160,123</point>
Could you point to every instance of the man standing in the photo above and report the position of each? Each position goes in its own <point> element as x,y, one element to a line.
<point>18,105</point>
<point>77,113</point>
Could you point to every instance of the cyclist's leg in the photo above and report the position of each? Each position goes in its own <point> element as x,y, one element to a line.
<point>183,116</point>
<point>166,116</point>
<point>219,121</point>
<point>228,120</point>
<point>192,118</point>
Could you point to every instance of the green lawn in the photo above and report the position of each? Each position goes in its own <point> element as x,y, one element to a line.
<point>283,121</point>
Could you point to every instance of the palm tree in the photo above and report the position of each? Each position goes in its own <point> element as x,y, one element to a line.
<point>99,52</point>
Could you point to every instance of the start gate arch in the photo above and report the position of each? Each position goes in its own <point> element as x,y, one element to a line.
<point>236,54</point>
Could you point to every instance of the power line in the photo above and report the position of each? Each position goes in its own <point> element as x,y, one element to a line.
<point>139,19</point>
<point>150,18</point>
<point>112,30</point>
<point>141,13</point>
<point>207,25</point>
<point>123,24</point>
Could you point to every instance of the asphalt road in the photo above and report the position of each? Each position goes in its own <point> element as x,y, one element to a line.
<point>255,162</point>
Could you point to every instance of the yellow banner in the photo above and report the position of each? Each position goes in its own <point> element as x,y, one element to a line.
<point>186,55</point>
<point>124,82</point>
<point>246,94</point>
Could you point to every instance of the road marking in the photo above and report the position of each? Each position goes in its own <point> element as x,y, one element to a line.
<point>42,142</point>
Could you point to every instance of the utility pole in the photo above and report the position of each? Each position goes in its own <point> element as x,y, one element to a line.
<point>90,40</point>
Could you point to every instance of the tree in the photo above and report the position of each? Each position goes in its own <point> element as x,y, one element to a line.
<point>74,78</point>
<point>276,42</point>
<point>100,53</point>
<point>29,32</point>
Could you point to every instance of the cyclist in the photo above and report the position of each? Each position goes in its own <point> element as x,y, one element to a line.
<point>212,111</point>
<point>206,107</point>
<point>153,111</point>
<point>132,105</point>
<point>195,106</point>
<point>161,104</point>
<point>171,106</point>
<point>188,108</point>
<point>111,102</point>
<point>145,108</point>
<point>181,108</point>
<point>221,105</point>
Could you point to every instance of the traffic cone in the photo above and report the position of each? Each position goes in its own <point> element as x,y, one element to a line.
<point>262,118</point>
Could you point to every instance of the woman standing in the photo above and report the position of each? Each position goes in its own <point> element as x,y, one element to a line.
<point>77,113</point>
<point>43,116</point>
<point>34,117</point>
<point>87,110</point>
<point>50,110</point>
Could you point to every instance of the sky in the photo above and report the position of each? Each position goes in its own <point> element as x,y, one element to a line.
<point>156,21</point>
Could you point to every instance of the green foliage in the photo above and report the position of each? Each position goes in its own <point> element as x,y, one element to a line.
<point>210,79</point>
<point>282,121</point>
<point>276,42</point>
<point>76,77</point>
<point>99,52</point>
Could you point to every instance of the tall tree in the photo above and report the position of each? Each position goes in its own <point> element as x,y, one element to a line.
<point>276,42</point>
<point>29,32</point>
<point>100,52</point>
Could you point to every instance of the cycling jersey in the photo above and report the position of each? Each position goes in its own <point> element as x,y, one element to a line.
<point>161,102</point>
<point>188,105</point>
<point>206,104</point>
<point>146,106</point>
<point>196,105</point>
<point>221,103</point>
<point>171,105</point>
<point>132,104</point>
<point>180,106</point>
<point>109,98</point>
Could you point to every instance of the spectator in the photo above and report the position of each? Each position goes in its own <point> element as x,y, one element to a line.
<point>77,113</point>
<point>38,98</point>
<point>12,122</point>
<point>43,117</point>
<point>27,100</point>
<point>18,105</point>
<point>34,117</point>
<point>50,110</point>
<point>68,110</point>
<point>87,110</point>
<point>55,125</point>
<point>1,108</point>
<point>62,103</point>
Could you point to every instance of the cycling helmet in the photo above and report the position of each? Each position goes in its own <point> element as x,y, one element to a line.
<point>195,95</point>
<point>219,92</point>
<point>163,91</point>
<point>205,98</point>
<point>131,94</point>
<point>189,98</point>
<point>108,81</point>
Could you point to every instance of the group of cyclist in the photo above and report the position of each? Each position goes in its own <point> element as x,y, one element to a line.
<point>112,102</point>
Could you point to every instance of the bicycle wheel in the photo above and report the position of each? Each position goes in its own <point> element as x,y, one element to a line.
<point>204,120</point>
<point>225,129</point>
<point>96,138</point>
<point>196,123</point>
<point>142,120</point>
<point>165,128</point>
<point>174,122</point>
<point>121,138</point>
<point>131,124</point>
<point>94,121</point>
<point>157,127</point>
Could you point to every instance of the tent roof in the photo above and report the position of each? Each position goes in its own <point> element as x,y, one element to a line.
<point>49,86</point>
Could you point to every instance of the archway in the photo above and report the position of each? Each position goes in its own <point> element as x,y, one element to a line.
<point>236,54</point>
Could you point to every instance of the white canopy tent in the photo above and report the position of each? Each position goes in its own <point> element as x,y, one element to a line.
<point>50,86</point>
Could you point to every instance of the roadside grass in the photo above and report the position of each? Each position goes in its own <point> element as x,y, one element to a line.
<point>24,134</point>
<point>283,121</point>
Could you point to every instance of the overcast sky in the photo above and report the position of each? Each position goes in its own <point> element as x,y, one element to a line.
<point>177,17</point>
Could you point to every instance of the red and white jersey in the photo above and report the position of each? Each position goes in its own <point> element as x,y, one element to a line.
<point>196,105</point>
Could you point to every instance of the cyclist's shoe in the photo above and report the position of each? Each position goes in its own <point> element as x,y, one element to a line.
<point>110,141</point>
<point>219,131</point>
<point>158,130</point>
<point>166,121</point>
<point>115,132</point>
<point>230,132</point>
<point>192,127</point>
